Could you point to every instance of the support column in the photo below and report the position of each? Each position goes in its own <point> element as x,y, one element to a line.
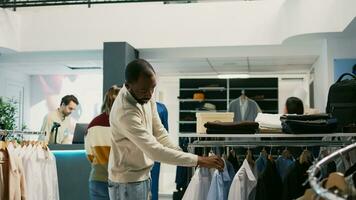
<point>115,58</point>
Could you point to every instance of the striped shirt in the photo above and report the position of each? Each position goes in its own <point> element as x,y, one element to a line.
<point>97,146</point>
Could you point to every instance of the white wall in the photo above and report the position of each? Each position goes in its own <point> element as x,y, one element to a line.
<point>8,78</point>
<point>168,88</point>
<point>156,25</point>
<point>47,91</point>
<point>339,48</point>
<point>10,29</point>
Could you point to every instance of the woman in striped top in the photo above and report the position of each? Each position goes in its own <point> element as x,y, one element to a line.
<point>97,146</point>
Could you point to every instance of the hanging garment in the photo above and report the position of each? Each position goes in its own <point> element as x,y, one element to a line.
<point>243,184</point>
<point>220,184</point>
<point>4,174</point>
<point>17,181</point>
<point>182,172</point>
<point>163,115</point>
<point>261,164</point>
<point>269,183</point>
<point>250,113</point>
<point>199,185</point>
<point>293,184</point>
<point>232,158</point>
<point>282,165</point>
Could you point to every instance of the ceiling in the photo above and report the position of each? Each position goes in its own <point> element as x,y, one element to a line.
<point>215,66</point>
<point>59,63</point>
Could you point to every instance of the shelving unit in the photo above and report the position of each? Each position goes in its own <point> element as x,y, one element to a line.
<point>221,92</point>
<point>215,91</point>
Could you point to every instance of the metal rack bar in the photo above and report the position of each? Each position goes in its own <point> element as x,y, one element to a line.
<point>314,169</point>
<point>266,135</point>
<point>6,132</point>
<point>271,143</point>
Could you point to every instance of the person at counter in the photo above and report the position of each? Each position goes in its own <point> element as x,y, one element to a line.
<point>139,138</point>
<point>97,144</point>
<point>57,124</point>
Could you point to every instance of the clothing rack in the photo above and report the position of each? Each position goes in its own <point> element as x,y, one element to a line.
<point>316,168</point>
<point>6,132</point>
<point>19,135</point>
<point>270,143</point>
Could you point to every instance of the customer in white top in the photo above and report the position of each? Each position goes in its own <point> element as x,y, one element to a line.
<point>60,118</point>
<point>139,138</point>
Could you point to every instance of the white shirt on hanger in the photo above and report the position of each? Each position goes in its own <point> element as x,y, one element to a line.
<point>243,184</point>
<point>199,185</point>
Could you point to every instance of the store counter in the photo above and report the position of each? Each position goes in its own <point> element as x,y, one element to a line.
<point>73,171</point>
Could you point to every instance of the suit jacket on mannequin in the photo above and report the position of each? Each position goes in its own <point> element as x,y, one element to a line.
<point>251,111</point>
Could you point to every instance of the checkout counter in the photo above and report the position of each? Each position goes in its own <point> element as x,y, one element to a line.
<point>73,171</point>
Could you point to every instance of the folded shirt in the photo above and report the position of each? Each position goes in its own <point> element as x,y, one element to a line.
<point>324,116</point>
<point>269,120</point>
<point>231,125</point>
<point>213,131</point>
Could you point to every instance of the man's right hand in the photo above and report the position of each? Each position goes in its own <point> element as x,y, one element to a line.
<point>211,162</point>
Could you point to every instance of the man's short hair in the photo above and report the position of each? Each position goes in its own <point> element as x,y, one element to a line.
<point>68,98</point>
<point>136,68</point>
<point>294,106</point>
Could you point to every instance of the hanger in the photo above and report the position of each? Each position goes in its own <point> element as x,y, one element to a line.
<point>305,157</point>
<point>243,96</point>
<point>286,153</point>
<point>264,152</point>
<point>270,157</point>
<point>336,180</point>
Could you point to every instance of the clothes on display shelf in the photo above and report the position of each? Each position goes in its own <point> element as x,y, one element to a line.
<point>244,109</point>
<point>28,172</point>
<point>231,127</point>
<point>269,122</point>
<point>303,124</point>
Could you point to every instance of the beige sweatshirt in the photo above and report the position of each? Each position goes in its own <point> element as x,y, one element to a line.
<point>138,139</point>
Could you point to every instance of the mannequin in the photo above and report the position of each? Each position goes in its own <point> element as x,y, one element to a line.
<point>245,109</point>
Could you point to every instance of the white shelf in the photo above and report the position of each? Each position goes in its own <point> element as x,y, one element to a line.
<point>204,89</point>
<point>194,111</point>
<point>265,135</point>
<point>187,122</point>
<point>260,99</point>
<point>194,100</point>
<point>254,88</point>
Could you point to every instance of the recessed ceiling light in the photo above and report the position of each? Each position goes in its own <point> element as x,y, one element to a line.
<point>224,76</point>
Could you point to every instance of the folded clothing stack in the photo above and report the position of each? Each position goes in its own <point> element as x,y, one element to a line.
<point>304,124</point>
<point>231,127</point>
<point>269,123</point>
